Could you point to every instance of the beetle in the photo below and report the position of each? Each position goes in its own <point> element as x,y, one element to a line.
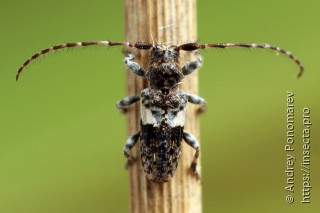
<point>162,103</point>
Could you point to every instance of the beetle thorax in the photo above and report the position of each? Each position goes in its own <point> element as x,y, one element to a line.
<point>164,72</point>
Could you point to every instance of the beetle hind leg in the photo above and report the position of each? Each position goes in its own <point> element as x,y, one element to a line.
<point>192,141</point>
<point>131,141</point>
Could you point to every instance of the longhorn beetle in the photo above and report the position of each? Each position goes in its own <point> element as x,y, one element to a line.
<point>163,104</point>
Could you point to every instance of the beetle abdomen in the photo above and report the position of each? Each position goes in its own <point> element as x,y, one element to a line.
<point>160,149</point>
<point>162,123</point>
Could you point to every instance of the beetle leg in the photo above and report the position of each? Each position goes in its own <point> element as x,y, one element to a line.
<point>192,141</point>
<point>190,67</point>
<point>131,141</point>
<point>133,66</point>
<point>123,104</point>
<point>198,100</point>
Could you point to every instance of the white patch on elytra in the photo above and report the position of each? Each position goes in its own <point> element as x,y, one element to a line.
<point>179,119</point>
<point>147,117</point>
<point>155,119</point>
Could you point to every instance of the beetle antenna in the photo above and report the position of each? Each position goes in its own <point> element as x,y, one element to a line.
<point>196,46</point>
<point>69,45</point>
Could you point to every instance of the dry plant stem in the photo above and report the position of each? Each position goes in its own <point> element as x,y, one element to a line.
<point>173,22</point>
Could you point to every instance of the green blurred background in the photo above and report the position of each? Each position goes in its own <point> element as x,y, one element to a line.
<point>61,137</point>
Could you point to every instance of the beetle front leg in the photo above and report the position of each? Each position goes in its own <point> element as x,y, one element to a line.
<point>131,141</point>
<point>192,141</point>
<point>123,104</point>
<point>133,66</point>
<point>198,100</point>
<point>190,67</point>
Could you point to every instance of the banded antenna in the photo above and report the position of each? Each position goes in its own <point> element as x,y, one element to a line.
<point>147,46</point>
<point>196,46</point>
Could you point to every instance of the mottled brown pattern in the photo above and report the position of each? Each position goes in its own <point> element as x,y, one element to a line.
<point>160,149</point>
<point>160,142</point>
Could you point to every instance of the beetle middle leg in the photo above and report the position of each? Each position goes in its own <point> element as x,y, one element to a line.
<point>123,104</point>
<point>197,100</point>
<point>192,141</point>
<point>131,141</point>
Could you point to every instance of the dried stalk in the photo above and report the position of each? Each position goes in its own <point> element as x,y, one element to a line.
<point>165,21</point>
